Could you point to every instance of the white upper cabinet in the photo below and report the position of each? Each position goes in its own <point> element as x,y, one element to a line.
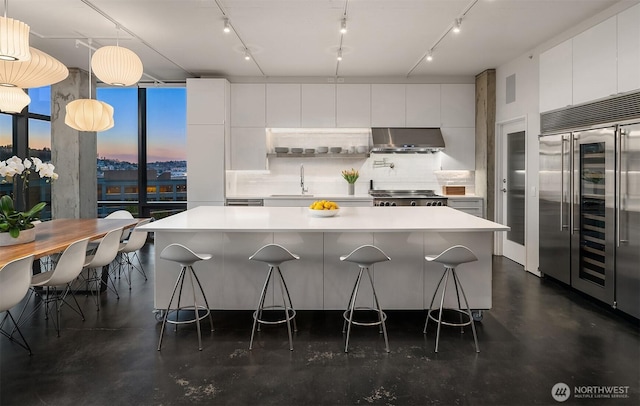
<point>423,105</point>
<point>460,149</point>
<point>206,101</point>
<point>556,87</point>
<point>283,105</point>
<point>629,49</point>
<point>388,105</point>
<point>594,62</point>
<point>248,148</point>
<point>319,105</point>
<point>458,108</point>
<point>248,108</point>
<point>353,105</point>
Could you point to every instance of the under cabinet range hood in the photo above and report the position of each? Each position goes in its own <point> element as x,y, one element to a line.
<point>406,140</point>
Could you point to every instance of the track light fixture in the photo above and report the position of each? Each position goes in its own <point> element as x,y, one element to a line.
<point>343,26</point>
<point>456,25</point>
<point>227,26</point>
<point>339,54</point>
<point>247,55</point>
<point>430,56</point>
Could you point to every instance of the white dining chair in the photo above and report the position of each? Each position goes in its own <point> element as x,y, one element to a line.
<point>129,248</point>
<point>104,255</point>
<point>14,285</point>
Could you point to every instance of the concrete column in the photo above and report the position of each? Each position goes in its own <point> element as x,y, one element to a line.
<point>485,138</point>
<point>74,194</point>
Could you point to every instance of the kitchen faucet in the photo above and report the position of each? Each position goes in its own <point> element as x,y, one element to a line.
<point>302,179</point>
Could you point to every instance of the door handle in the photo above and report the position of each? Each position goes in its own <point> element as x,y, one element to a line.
<point>504,190</point>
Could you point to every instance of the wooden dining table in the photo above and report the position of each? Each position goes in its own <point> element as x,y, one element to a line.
<point>56,235</point>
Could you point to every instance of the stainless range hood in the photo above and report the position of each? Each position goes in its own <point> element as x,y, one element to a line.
<point>406,140</point>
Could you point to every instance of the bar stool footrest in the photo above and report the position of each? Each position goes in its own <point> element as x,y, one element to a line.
<point>201,315</point>
<point>447,323</point>
<point>361,323</point>
<point>291,314</point>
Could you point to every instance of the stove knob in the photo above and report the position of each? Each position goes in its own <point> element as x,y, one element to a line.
<point>385,203</point>
<point>393,204</point>
<point>439,203</point>
<point>413,203</point>
<point>428,203</point>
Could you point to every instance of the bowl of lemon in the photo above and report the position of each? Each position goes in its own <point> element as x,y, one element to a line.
<point>323,208</point>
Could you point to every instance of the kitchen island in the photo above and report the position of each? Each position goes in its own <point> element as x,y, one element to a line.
<point>319,280</point>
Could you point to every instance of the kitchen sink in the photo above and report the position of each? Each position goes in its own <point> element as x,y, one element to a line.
<point>291,195</point>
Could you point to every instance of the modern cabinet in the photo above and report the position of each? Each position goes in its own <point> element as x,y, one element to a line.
<point>556,71</point>
<point>248,105</point>
<point>248,148</point>
<point>208,119</point>
<point>353,105</point>
<point>471,205</point>
<point>388,105</point>
<point>458,108</point>
<point>283,105</point>
<point>460,150</point>
<point>594,62</point>
<point>629,49</point>
<point>423,105</point>
<point>318,105</point>
<point>206,101</point>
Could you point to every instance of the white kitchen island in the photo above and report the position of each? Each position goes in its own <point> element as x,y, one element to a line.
<point>319,280</point>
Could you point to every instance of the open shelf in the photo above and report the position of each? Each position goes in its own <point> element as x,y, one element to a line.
<point>327,155</point>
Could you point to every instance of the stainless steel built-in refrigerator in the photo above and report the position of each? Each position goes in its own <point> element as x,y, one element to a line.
<point>590,212</point>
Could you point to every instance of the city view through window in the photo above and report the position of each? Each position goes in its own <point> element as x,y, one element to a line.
<point>119,158</point>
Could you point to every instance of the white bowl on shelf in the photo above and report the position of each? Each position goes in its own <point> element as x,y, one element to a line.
<point>323,213</point>
<point>322,150</point>
<point>281,150</point>
<point>362,149</point>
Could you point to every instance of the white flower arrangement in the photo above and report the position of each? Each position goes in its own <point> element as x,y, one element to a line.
<point>16,166</point>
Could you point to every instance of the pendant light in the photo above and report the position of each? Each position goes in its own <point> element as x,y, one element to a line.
<point>14,38</point>
<point>89,114</point>
<point>41,70</point>
<point>13,99</point>
<point>117,66</point>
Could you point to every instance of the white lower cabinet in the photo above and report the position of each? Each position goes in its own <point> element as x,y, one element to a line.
<point>473,205</point>
<point>306,201</point>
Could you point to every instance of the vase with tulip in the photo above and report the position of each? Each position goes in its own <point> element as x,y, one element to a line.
<point>351,176</point>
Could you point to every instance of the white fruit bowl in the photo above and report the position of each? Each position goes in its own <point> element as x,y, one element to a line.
<point>323,213</point>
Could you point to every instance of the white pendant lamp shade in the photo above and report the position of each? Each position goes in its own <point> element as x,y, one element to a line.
<point>117,66</point>
<point>40,70</point>
<point>89,115</point>
<point>14,40</point>
<point>13,99</point>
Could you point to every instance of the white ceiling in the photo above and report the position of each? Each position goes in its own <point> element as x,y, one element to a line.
<point>177,39</point>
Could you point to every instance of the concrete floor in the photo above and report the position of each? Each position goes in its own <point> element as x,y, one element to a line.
<point>537,334</point>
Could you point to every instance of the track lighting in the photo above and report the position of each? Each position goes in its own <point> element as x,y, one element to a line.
<point>430,56</point>
<point>343,26</point>
<point>247,56</point>
<point>339,54</point>
<point>456,25</point>
<point>227,26</point>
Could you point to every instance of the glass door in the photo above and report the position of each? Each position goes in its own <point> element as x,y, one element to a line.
<point>594,215</point>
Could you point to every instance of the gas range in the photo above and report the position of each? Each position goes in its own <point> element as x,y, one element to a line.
<point>407,198</point>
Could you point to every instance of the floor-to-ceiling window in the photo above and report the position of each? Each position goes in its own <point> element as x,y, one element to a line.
<point>149,132</point>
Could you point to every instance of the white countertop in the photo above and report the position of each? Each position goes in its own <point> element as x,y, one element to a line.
<point>298,219</point>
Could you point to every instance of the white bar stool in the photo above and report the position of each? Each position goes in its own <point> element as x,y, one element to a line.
<point>364,256</point>
<point>186,258</point>
<point>451,258</point>
<point>274,255</point>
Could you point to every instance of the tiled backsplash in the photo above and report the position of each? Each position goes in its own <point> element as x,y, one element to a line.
<point>323,175</point>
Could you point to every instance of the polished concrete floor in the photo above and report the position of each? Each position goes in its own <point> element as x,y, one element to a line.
<point>537,334</point>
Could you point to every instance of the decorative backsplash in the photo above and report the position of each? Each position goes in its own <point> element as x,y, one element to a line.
<point>323,175</point>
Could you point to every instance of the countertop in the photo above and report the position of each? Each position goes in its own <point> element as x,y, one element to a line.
<point>298,219</point>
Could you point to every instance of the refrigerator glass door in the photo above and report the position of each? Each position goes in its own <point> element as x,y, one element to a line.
<point>555,192</point>
<point>628,221</point>
<point>593,213</point>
